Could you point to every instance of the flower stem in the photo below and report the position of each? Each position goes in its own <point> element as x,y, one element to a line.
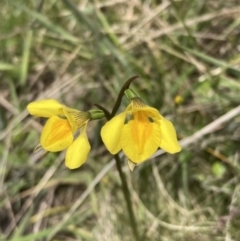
<point>126,194</point>
<point>121,94</point>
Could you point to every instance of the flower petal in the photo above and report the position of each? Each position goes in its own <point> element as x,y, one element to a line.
<point>56,135</point>
<point>111,133</point>
<point>140,137</point>
<point>45,108</point>
<point>149,111</point>
<point>169,141</point>
<point>77,153</point>
<point>138,105</point>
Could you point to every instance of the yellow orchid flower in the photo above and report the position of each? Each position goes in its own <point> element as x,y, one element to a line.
<point>58,132</point>
<point>139,131</point>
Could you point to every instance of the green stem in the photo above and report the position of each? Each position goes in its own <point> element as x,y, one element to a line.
<point>121,94</point>
<point>106,112</point>
<point>126,193</point>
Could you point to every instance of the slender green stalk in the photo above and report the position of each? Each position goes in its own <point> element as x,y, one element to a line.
<point>121,94</point>
<point>117,104</point>
<point>125,189</point>
<point>106,112</point>
<point>126,193</point>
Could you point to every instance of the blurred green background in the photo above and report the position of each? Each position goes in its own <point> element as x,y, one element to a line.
<point>81,52</point>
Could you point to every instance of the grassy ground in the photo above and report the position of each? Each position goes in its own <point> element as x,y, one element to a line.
<point>80,53</point>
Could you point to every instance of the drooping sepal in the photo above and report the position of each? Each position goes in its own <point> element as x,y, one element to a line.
<point>131,165</point>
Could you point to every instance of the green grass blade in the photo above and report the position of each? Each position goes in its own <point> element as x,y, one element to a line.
<point>6,66</point>
<point>22,225</point>
<point>211,60</point>
<point>25,57</point>
<point>35,236</point>
<point>45,21</point>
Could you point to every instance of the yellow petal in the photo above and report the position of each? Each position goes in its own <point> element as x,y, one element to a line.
<point>77,153</point>
<point>56,135</point>
<point>138,105</point>
<point>140,137</point>
<point>169,141</point>
<point>45,108</point>
<point>147,109</point>
<point>111,133</point>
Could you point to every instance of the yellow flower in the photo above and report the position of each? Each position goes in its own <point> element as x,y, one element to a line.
<point>178,99</point>
<point>139,131</point>
<point>58,132</point>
